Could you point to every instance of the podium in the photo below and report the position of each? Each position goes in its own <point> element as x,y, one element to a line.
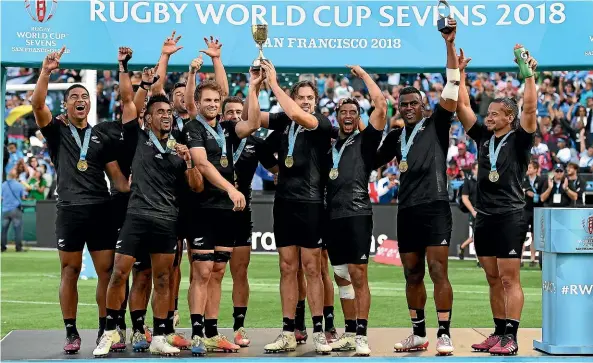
<point>565,237</point>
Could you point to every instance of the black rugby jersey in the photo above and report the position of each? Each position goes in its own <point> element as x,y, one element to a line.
<point>507,193</point>
<point>197,136</point>
<point>73,186</point>
<point>425,181</point>
<point>348,195</point>
<point>305,181</point>
<point>158,179</point>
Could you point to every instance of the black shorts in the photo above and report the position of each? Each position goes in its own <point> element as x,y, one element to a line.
<point>90,224</point>
<point>143,261</point>
<point>422,226</point>
<point>350,242</point>
<point>211,228</point>
<point>243,228</point>
<point>183,223</point>
<point>298,224</point>
<point>119,209</point>
<point>501,235</point>
<point>144,234</point>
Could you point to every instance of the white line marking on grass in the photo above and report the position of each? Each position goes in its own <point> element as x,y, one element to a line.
<point>40,302</point>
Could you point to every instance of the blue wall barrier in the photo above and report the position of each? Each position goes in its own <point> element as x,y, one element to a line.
<point>565,236</point>
<point>377,34</point>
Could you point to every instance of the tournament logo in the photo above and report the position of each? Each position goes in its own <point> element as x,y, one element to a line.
<point>587,224</point>
<point>38,9</point>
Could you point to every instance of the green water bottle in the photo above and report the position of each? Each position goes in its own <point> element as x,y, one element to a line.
<point>521,57</point>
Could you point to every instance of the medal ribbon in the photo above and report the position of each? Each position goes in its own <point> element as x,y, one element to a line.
<point>292,135</point>
<point>405,146</point>
<point>239,150</point>
<point>336,156</point>
<point>156,142</point>
<point>218,134</point>
<point>84,147</point>
<point>493,153</point>
<point>179,123</point>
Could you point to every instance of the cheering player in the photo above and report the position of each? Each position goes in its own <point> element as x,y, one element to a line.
<point>424,219</point>
<point>160,169</point>
<point>246,156</point>
<point>80,156</point>
<point>211,240</point>
<point>350,212</point>
<point>298,205</point>
<point>504,143</point>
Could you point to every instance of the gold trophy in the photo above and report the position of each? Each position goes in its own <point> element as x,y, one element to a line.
<point>260,36</point>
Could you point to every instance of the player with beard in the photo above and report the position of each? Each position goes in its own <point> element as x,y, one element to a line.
<point>211,240</point>
<point>160,169</point>
<point>350,227</point>
<point>424,220</point>
<point>504,143</point>
<point>81,156</point>
<point>246,156</point>
<point>298,205</point>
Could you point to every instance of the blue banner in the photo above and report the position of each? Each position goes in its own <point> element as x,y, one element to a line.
<point>564,230</point>
<point>311,35</point>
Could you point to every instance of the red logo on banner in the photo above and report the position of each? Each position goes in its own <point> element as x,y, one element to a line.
<point>388,253</point>
<point>588,224</point>
<point>38,9</point>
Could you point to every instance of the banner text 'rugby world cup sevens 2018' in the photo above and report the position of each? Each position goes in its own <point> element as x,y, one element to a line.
<point>307,35</point>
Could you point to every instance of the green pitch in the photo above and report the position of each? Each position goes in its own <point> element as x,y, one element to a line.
<point>30,283</point>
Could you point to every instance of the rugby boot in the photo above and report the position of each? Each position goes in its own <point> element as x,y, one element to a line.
<point>506,346</point>
<point>119,345</point>
<point>444,345</point>
<point>105,343</point>
<point>220,343</point>
<point>148,334</point>
<point>159,346</point>
<point>331,336</point>
<point>320,343</point>
<point>178,340</point>
<point>412,343</point>
<point>344,343</point>
<point>241,338</point>
<point>139,343</point>
<point>72,344</point>
<point>197,346</point>
<point>285,342</point>
<point>362,346</point>
<point>488,343</point>
<point>301,336</point>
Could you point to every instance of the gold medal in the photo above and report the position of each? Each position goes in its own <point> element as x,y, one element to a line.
<point>289,162</point>
<point>333,174</point>
<point>493,176</point>
<point>403,166</point>
<point>171,143</point>
<point>82,165</point>
<point>224,161</point>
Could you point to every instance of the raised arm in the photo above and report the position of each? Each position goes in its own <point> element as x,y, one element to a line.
<point>379,116</point>
<point>125,86</point>
<point>528,115</point>
<point>40,110</point>
<point>292,110</point>
<point>244,128</point>
<point>149,77</point>
<point>450,93</point>
<point>465,114</point>
<point>169,48</point>
<point>190,87</point>
<point>264,117</point>
<point>213,50</point>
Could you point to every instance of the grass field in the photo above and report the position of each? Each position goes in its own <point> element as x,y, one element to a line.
<point>30,282</point>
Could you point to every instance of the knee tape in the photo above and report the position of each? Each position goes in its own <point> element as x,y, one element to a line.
<point>202,257</point>
<point>347,292</point>
<point>451,90</point>
<point>221,256</point>
<point>342,272</point>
